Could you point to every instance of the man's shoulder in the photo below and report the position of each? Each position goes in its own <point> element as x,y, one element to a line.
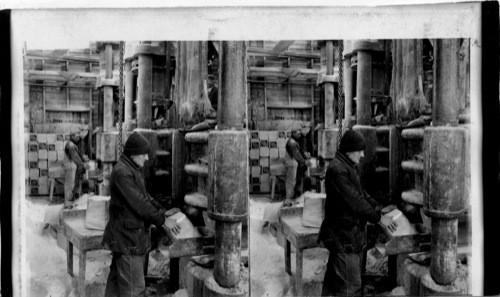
<point>336,166</point>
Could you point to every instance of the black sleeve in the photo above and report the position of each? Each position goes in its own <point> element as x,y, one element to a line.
<point>340,181</point>
<point>373,202</point>
<point>143,205</point>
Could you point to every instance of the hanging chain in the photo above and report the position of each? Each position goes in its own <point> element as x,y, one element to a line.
<point>341,89</point>
<point>120,100</point>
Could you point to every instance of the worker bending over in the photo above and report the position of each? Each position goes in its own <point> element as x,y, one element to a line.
<point>347,209</point>
<point>295,157</point>
<point>75,164</point>
<point>132,211</point>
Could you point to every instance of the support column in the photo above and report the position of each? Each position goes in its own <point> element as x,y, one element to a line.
<point>130,81</point>
<point>327,137</point>
<point>347,87</point>
<point>363,87</point>
<point>329,89</point>
<point>444,152</point>
<point>228,174</point>
<point>144,90</point>
<point>108,91</point>
<point>445,89</point>
<point>107,141</point>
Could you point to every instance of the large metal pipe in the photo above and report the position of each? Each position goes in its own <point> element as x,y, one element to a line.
<point>228,169</point>
<point>363,87</point>
<point>444,250</point>
<point>129,92</point>
<point>232,99</point>
<point>445,152</point>
<point>445,90</point>
<point>347,87</point>
<point>144,91</point>
<point>329,88</point>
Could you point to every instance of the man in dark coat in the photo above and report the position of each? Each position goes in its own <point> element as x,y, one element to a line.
<point>132,211</point>
<point>347,209</point>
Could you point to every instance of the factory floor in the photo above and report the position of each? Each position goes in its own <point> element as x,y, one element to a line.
<point>267,262</point>
<point>46,272</point>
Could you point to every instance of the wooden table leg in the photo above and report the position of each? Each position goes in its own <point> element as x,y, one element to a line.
<point>69,257</point>
<point>273,186</point>
<point>174,274</point>
<point>298,271</point>
<point>81,272</point>
<point>288,267</point>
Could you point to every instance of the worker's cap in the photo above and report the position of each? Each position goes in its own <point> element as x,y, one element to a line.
<point>75,130</point>
<point>136,144</point>
<point>211,77</point>
<point>352,141</point>
<point>297,126</point>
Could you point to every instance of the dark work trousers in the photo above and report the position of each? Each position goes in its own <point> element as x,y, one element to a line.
<point>80,171</point>
<point>126,276</point>
<point>343,275</point>
<point>299,180</point>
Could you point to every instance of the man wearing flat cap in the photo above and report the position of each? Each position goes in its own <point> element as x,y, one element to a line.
<point>132,211</point>
<point>347,210</point>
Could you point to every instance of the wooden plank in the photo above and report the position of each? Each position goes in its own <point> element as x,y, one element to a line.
<point>252,51</point>
<point>68,109</point>
<point>59,86</point>
<point>291,106</point>
<point>33,54</point>
<point>285,82</point>
<point>283,45</point>
<point>277,72</point>
<point>60,75</point>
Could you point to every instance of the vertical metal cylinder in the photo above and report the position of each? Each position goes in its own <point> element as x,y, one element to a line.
<point>228,251</point>
<point>347,88</point>
<point>108,114</point>
<point>445,90</point>
<point>444,188</point>
<point>444,251</point>
<point>233,80</point>
<point>329,88</point>
<point>363,87</point>
<point>144,91</point>
<point>129,92</point>
<point>109,61</point>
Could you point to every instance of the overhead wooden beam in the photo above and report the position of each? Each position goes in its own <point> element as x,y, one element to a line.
<point>257,51</point>
<point>283,72</point>
<point>283,45</point>
<point>64,57</point>
<point>60,75</point>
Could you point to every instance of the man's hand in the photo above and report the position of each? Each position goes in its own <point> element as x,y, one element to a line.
<point>388,209</point>
<point>171,226</point>
<point>86,166</point>
<point>389,223</point>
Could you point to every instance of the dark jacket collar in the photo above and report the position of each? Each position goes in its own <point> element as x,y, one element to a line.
<point>345,159</point>
<point>129,162</point>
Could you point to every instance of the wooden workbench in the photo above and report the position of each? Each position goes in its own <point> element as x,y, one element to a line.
<point>300,237</point>
<point>73,222</point>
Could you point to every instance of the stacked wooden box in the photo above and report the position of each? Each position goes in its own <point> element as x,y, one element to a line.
<point>267,153</point>
<point>44,160</point>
